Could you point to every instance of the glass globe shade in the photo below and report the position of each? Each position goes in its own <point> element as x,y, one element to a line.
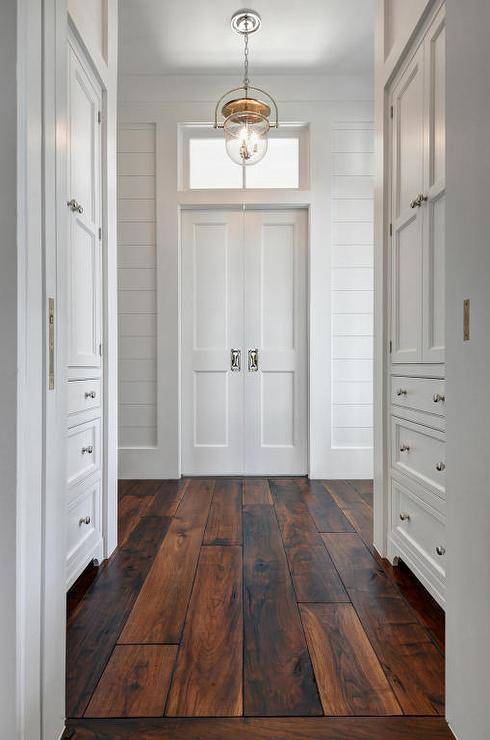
<point>246,137</point>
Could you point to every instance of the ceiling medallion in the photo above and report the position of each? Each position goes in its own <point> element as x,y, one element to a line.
<point>246,119</point>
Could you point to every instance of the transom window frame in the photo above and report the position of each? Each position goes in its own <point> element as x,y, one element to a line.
<point>188,131</point>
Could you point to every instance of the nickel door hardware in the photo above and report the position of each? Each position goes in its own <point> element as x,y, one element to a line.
<point>253,360</point>
<point>90,394</point>
<point>438,398</point>
<point>404,448</point>
<point>87,450</point>
<point>84,520</point>
<point>417,202</point>
<point>440,466</point>
<point>401,392</point>
<point>404,517</point>
<point>51,344</point>
<point>74,206</point>
<point>236,360</point>
<point>440,550</point>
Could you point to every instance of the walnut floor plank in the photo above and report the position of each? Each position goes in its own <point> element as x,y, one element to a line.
<point>327,516</point>
<point>357,567</point>
<point>342,493</point>
<point>208,675</point>
<point>224,525</point>
<point>94,627</point>
<point>314,575</point>
<point>256,491</point>
<point>348,674</point>
<point>361,518</point>
<point>412,663</point>
<point>133,505</point>
<point>167,497</point>
<point>135,682</point>
<point>296,524</point>
<point>159,612</point>
<point>278,676</point>
<point>365,490</point>
<point>290,728</point>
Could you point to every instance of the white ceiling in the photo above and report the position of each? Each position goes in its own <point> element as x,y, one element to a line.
<point>297,36</point>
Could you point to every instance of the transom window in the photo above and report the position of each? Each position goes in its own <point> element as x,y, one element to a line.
<point>207,166</point>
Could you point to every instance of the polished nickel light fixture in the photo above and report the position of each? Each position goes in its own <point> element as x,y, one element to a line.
<point>246,119</point>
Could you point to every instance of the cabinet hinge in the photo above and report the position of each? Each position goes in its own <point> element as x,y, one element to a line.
<point>100,349</point>
<point>391,346</point>
<point>391,229</point>
<point>99,116</point>
<point>391,111</point>
<point>100,233</point>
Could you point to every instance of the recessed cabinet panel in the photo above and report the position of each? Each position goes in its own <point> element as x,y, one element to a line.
<point>434,281</point>
<point>83,297</point>
<point>409,134</point>
<point>210,263</point>
<point>407,292</point>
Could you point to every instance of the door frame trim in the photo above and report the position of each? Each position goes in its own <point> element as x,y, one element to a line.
<point>244,207</point>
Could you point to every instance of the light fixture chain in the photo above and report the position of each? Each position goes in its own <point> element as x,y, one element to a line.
<point>246,81</point>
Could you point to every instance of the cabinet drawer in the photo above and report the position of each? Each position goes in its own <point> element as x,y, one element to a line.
<point>419,452</point>
<point>83,451</point>
<point>83,522</point>
<point>420,526</point>
<point>425,395</point>
<point>83,395</point>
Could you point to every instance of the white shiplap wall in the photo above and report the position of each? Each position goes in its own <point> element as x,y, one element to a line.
<point>352,285</point>
<point>137,286</point>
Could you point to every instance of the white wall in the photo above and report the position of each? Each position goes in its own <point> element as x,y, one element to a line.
<point>322,102</point>
<point>8,365</point>
<point>468,369</point>
<point>137,308</point>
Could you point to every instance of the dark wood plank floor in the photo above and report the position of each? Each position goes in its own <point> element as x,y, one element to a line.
<point>252,608</point>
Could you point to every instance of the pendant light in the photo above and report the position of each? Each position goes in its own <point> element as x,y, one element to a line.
<point>246,119</point>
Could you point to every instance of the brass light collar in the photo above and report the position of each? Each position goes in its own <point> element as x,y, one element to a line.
<point>246,105</point>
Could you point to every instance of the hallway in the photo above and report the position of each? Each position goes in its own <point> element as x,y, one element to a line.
<point>255,598</point>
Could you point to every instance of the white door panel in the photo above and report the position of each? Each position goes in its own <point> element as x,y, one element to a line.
<point>84,247</point>
<point>275,325</point>
<point>244,288</point>
<point>435,212</point>
<point>407,237</point>
<point>212,321</point>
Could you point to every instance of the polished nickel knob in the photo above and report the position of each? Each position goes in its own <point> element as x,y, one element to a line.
<point>87,450</point>
<point>401,392</point>
<point>404,516</point>
<point>253,360</point>
<point>74,206</point>
<point>440,550</point>
<point>440,466</point>
<point>236,360</point>
<point>84,520</point>
<point>417,202</point>
<point>438,398</point>
<point>90,394</point>
<point>404,448</point>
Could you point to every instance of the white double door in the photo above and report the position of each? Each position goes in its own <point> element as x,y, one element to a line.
<point>244,343</point>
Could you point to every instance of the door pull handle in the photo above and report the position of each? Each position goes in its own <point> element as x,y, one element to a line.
<point>253,360</point>
<point>236,360</point>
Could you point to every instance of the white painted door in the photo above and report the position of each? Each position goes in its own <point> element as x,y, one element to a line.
<point>408,209</point>
<point>212,326</point>
<point>244,290</point>
<point>435,210</point>
<point>275,328</point>
<point>84,245</point>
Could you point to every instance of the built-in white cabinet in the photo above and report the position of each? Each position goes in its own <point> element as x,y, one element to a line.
<point>416,450</point>
<point>418,202</point>
<point>83,301</point>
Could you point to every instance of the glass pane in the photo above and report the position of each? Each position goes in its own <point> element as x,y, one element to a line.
<point>210,165</point>
<point>278,169</point>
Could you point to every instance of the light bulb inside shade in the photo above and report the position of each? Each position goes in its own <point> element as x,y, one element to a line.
<point>246,137</point>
